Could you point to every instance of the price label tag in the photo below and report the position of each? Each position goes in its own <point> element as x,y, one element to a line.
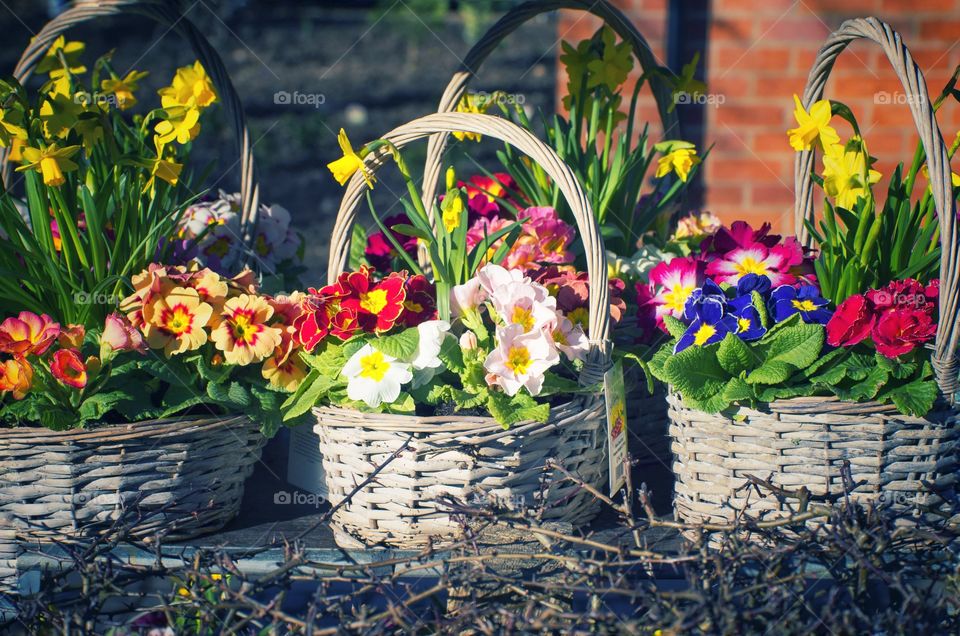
<point>616,398</point>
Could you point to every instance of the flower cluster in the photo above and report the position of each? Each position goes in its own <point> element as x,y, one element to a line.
<point>897,318</point>
<point>710,313</point>
<point>179,309</point>
<point>358,303</point>
<point>43,355</point>
<point>210,233</point>
<point>531,332</point>
<point>726,256</point>
<point>543,239</point>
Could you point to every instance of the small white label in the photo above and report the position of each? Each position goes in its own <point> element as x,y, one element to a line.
<point>616,426</point>
<point>305,467</point>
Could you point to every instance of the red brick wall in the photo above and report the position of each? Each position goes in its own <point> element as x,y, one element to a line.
<point>757,55</point>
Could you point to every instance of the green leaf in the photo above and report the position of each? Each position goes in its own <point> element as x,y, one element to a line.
<point>659,359</point>
<point>329,361</point>
<point>761,307</point>
<point>98,405</point>
<point>508,411</point>
<point>771,393</point>
<point>675,327</point>
<point>786,350</point>
<point>401,346</point>
<point>232,395</point>
<point>914,398</point>
<point>311,391</point>
<point>737,390</point>
<point>735,356</point>
<point>696,373</point>
<point>451,355</point>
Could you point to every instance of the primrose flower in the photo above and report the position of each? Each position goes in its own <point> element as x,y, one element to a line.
<point>123,89</point>
<point>380,251</point>
<point>51,162</point>
<point>525,304</point>
<point>674,282</point>
<point>316,312</point>
<point>174,320</point>
<point>846,175</point>
<point>710,324</point>
<point>467,297</point>
<point>284,369</point>
<point>28,334</point>
<point>520,360</point>
<point>710,292</point>
<point>344,167</point>
<point>182,125</point>
<point>775,263</point>
<point>119,335</point>
<point>426,361</point>
<point>16,377</point>
<point>374,377</point>
<point>191,88</point>
<point>67,367</point>
<point>787,300</point>
<point>419,303</point>
<point>275,241</point>
<point>71,336</point>
<point>899,331</point>
<point>749,324</point>
<point>377,305</point>
<point>679,157</point>
<point>569,338</point>
<point>243,334</point>
<point>548,236</point>
<point>814,129</point>
<point>694,225</point>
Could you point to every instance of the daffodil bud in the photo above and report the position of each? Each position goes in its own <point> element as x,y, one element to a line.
<point>451,178</point>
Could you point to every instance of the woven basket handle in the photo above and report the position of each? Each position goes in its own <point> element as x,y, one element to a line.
<point>167,15</point>
<point>470,66</point>
<point>938,164</point>
<point>598,358</point>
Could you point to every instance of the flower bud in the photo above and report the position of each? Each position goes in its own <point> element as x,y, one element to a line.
<point>468,341</point>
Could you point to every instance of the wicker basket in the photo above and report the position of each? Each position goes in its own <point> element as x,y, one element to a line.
<point>806,441</point>
<point>184,476</point>
<point>458,455</point>
<point>647,414</point>
<point>9,550</point>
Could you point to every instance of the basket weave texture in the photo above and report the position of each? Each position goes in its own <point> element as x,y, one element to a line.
<point>800,442</point>
<point>177,477</point>
<point>466,456</point>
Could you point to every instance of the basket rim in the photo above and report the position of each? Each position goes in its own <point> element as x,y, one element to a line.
<point>160,427</point>
<point>827,404</point>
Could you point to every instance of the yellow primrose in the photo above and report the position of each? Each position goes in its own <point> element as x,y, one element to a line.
<point>344,167</point>
<point>59,52</point>
<point>613,66</point>
<point>123,89</point>
<point>814,129</point>
<point>181,125</point>
<point>475,104</point>
<point>191,88</point>
<point>846,175</point>
<point>51,162</point>
<point>679,157</point>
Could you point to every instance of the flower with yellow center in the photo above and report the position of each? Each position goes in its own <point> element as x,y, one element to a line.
<point>374,377</point>
<point>814,129</point>
<point>182,124</point>
<point>243,334</point>
<point>284,369</point>
<point>51,162</point>
<point>520,360</point>
<point>191,88</point>
<point>123,89</point>
<point>472,103</point>
<point>344,167</point>
<point>678,157</point>
<point>174,321</point>
<point>846,174</point>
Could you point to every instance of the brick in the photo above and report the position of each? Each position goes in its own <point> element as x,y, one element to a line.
<point>940,29</point>
<point>726,29</point>
<point>735,114</point>
<point>919,6</point>
<point>775,142</point>
<point>730,60</point>
<point>725,194</point>
<point>805,29</point>
<point>777,194</point>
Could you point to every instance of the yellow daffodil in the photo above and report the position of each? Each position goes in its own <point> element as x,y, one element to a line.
<point>89,128</point>
<point>575,60</point>
<point>60,51</point>
<point>678,157</point>
<point>685,86</point>
<point>191,88</point>
<point>846,174</point>
<point>160,168</point>
<point>182,125</point>
<point>472,103</point>
<point>123,89</point>
<point>451,210</point>
<point>613,66</point>
<point>814,129</point>
<point>344,167</point>
<point>59,114</point>
<point>16,149</point>
<point>11,126</point>
<point>51,162</point>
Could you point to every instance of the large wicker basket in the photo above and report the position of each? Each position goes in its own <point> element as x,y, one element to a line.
<point>175,477</point>
<point>463,456</point>
<point>647,420</point>
<point>807,441</point>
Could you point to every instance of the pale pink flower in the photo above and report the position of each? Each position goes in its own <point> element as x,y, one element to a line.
<point>569,338</point>
<point>467,297</point>
<point>520,360</point>
<point>525,303</point>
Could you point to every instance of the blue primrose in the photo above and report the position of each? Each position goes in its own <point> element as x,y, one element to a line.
<point>710,323</point>
<point>709,292</point>
<point>806,300</point>
<point>749,325</point>
<point>749,283</point>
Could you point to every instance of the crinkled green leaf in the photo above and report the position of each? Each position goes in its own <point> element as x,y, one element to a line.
<point>675,327</point>
<point>401,346</point>
<point>735,356</point>
<point>696,373</point>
